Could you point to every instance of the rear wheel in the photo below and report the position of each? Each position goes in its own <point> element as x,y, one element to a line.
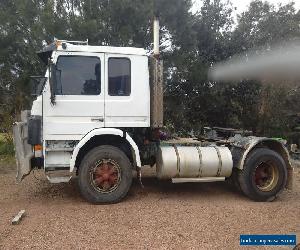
<point>264,175</point>
<point>105,175</point>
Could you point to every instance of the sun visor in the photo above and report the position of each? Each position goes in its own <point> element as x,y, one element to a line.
<point>46,52</point>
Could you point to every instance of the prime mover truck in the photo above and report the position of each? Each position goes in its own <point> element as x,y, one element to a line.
<point>98,115</point>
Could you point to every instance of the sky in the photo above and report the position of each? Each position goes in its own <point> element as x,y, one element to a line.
<point>241,5</point>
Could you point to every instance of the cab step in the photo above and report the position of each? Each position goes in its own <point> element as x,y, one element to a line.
<point>59,149</point>
<point>59,179</point>
<point>59,176</point>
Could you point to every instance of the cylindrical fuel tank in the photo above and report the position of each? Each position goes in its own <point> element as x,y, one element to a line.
<point>193,162</point>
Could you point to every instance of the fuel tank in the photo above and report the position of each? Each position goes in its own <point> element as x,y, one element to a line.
<point>193,162</point>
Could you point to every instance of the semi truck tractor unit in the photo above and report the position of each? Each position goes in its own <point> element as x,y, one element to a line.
<point>98,115</point>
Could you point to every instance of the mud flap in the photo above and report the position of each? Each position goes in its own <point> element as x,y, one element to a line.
<point>23,150</point>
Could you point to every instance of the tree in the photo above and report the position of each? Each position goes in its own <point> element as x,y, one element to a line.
<point>190,44</point>
<point>198,97</point>
<point>264,26</point>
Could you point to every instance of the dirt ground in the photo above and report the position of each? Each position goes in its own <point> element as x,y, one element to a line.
<point>160,216</point>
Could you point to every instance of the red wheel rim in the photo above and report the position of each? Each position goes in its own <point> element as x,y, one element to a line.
<point>105,176</point>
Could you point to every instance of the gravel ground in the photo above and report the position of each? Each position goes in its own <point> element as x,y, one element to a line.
<point>160,216</point>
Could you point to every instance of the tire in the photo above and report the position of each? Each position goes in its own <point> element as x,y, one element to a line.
<point>105,175</point>
<point>264,175</point>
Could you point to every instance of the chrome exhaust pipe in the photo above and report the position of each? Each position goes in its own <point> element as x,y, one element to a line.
<point>156,37</point>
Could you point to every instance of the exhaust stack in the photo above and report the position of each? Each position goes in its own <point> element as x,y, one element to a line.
<point>156,81</point>
<point>156,38</point>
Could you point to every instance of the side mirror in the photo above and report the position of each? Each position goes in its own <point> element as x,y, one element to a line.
<point>52,81</point>
<point>37,84</point>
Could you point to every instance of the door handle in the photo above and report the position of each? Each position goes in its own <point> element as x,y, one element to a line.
<point>100,119</point>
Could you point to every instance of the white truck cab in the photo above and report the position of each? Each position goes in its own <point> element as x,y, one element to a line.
<point>98,115</point>
<point>96,87</point>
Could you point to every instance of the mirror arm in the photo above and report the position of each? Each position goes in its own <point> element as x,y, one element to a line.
<point>52,81</point>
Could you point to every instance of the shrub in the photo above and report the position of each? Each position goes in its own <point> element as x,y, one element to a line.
<point>6,146</point>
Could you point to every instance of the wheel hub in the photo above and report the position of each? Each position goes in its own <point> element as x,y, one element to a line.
<point>106,175</point>
<point>266,176</point>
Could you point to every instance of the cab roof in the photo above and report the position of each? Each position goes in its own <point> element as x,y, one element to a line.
<point>76,46</point>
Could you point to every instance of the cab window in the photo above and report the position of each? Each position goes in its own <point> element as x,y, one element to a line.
<point>119,77</point>
<point>78,75</point>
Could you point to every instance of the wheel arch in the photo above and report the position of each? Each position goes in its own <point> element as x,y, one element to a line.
<point>248,144</point>
<point>110,136</point>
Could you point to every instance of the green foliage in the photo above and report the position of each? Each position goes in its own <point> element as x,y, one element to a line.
<point>6,148</point>
<point>6,145</point>
<point>190,44</point>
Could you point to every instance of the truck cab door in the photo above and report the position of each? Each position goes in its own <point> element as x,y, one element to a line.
<point>127,93</point>
<point>79,97</point>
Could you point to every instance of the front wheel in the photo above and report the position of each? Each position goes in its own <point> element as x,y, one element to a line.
<point>264,175</point>
<point>105,175</point>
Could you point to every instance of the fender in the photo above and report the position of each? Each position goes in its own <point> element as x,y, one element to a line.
<point>245,145</point>
<point>106,131</point>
